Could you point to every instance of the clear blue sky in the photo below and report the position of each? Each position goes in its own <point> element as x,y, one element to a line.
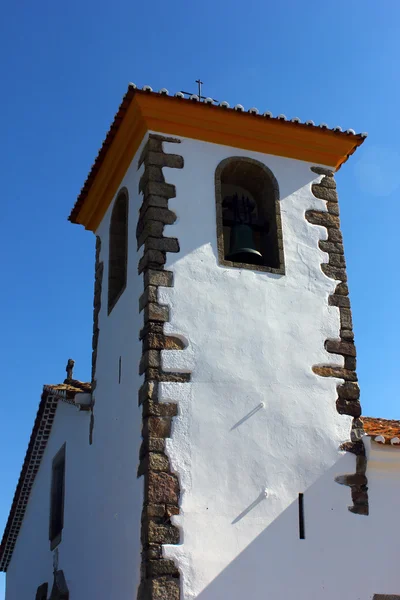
<point>65,67</point>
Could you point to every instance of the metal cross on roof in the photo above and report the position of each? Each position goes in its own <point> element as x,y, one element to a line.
<point>199,84</point>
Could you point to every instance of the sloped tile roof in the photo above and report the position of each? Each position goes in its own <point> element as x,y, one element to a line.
<point>146,89</point>
<point>384,431</point>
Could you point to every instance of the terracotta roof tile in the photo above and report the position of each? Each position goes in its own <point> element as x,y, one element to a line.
<point>71,385</point>
<point>387,430</point>
<point>130,93</point>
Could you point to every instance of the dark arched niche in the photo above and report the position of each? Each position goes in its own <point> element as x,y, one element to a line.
<point>118,249</point>
<point>251,178</point>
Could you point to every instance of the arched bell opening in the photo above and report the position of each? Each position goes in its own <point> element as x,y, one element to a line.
<point>248,215</point>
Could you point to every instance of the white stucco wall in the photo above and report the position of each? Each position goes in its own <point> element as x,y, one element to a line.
<point>32,561</point>
<point>100,548</point>
<point>255,416</point>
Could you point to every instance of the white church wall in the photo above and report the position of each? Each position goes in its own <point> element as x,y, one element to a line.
<point>343,555</point>
<point>116,513</point>
<point>255,416</point>
<point>255,428</point>
<point>32,560</point>
<point>100,548</point>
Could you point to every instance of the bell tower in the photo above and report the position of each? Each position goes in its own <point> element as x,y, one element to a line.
<point>221,302</point>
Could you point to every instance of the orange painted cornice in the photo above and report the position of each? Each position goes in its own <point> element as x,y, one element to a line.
<point>143,111</point>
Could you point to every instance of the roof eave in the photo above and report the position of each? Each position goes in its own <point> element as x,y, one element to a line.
<point>155,108</point>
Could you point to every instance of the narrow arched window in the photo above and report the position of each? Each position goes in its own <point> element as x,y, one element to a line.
<point>249,226</point>
<point>118,249</point>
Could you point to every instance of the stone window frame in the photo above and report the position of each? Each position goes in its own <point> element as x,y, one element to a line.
<point>219,217</point>
<point>55,534</point>
<point>112,296</point>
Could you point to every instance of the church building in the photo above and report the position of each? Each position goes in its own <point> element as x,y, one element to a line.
<point>218,451</point>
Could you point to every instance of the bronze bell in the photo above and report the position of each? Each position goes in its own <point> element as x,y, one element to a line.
<point>242,248</point>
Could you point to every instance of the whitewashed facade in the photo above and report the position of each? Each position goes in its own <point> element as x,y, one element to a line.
<point>255,425</point>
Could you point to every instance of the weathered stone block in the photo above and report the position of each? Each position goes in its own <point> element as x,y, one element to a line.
<point>151,327</point>
<point>360,509</point>
<point>149,295</point>
<point>322,171</point>
<point>164,138</point>
<point>147,229</point>
<point>162,342</point>
<point>158,427</point>
<point>157,462</point>
<point>346,321</point>
<point>166,216</point>
<point>156,201</point>
<point>164,244</point>
<point>334,272</point>
<point>330,247</point>
<point>342,289</point>
<point>162,278</point>
<point>156,188</point>
<point>335,235</point>
<point>151,259</point>
<point>156,312</point>
<point>161,159</point>
<point>159,375</point>
<point>151,444</point>
<point>162,488</point>
<point>165,589</point>
<point>153,510</point>
<point>160,409</point>
<point>324,193</point>
<point>359,495</point>
<point>337,260</point>
<point>350,362</point>
<point>155,532</point>
<point>349,391</point>
<point>340,347</point>
<point>353,479</point>
<point>151,174</point>
<point>341,301</point>
<point>356,448</point>
<point>172,510</point>
<point>333,371</point>
<point>346,334</point>
<point>162,567</point>
<point>348,407</point>
<point>328,182</point>
<point>333,208</point>
<point>152,145</point>
<point>175,377</point>
<point>153,462</point>
<point>319,217</point>
<point>150,358</point>
<point>148,391</point>
<point>152,552</point>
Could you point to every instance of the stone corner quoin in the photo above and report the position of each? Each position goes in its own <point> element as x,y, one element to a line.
<point>160,577</point>
<point>348,392</point>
